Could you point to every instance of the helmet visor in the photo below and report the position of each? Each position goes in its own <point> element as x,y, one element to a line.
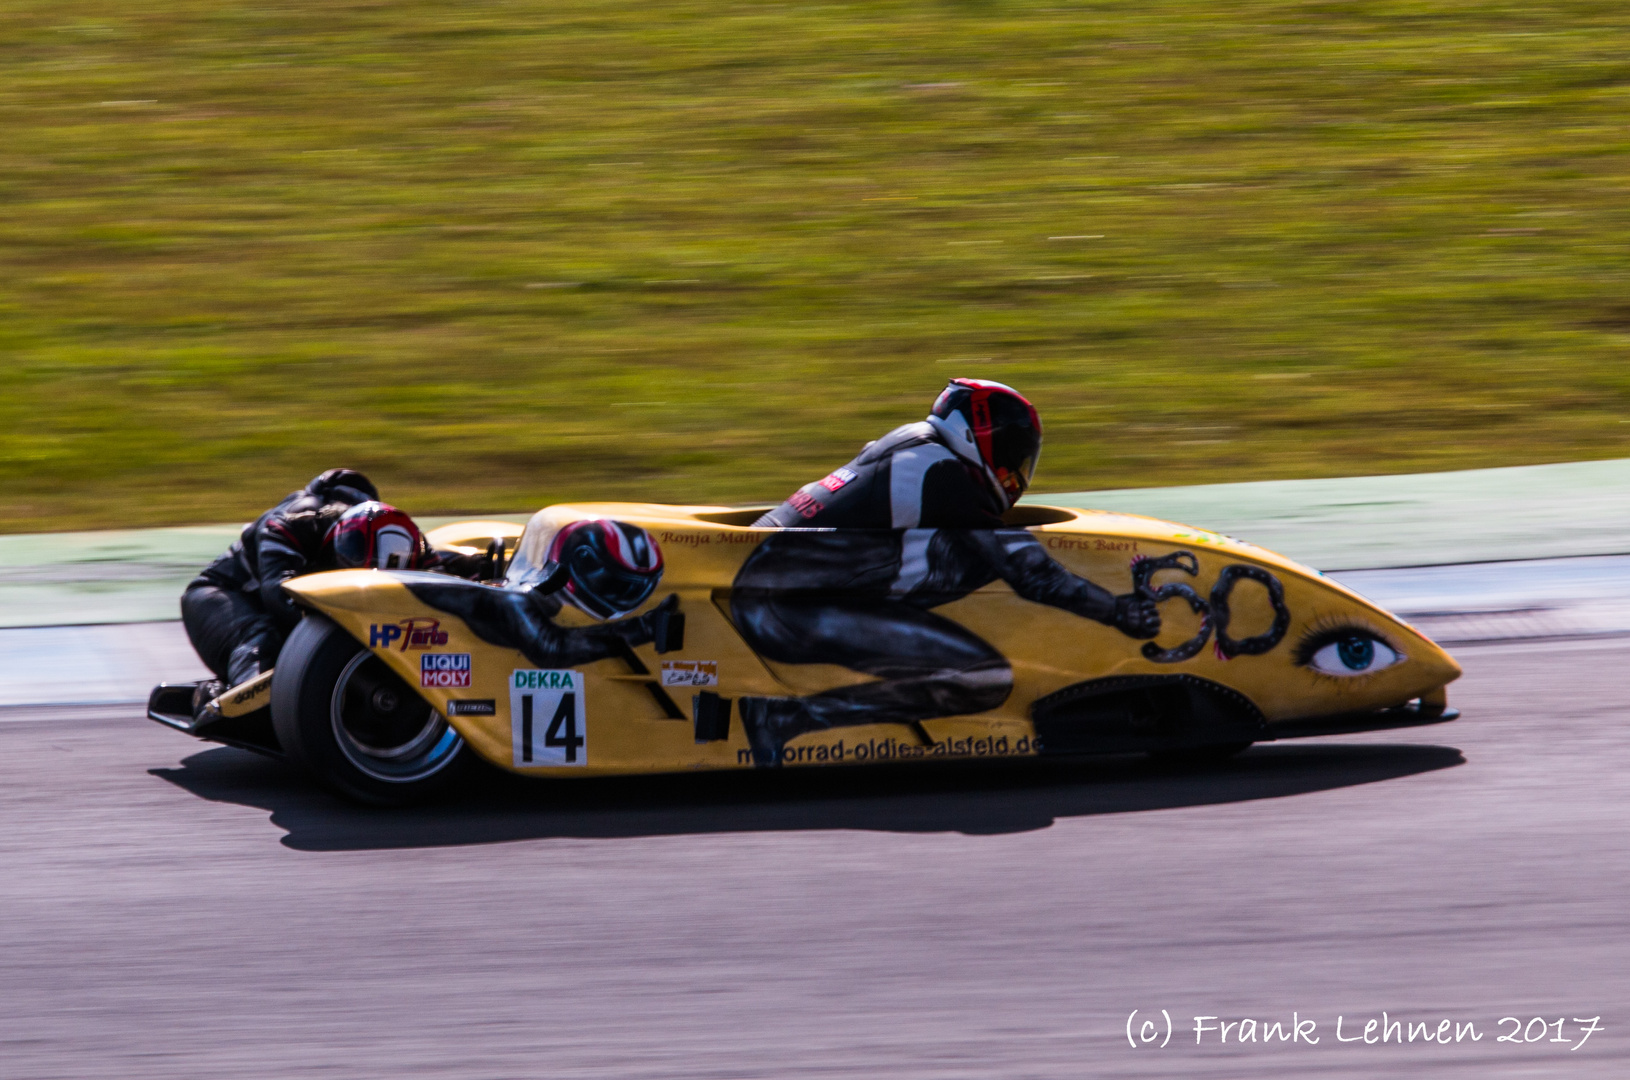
<point>607,585</point>
<point>1015,446</point>
<point>394,548</point>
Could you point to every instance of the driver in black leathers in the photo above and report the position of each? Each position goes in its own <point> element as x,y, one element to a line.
<point>914,522</point>
<point>236,612</point>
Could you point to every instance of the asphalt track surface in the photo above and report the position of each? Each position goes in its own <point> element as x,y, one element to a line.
<point>170,909</point>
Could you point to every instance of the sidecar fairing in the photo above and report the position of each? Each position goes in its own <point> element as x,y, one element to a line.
<point>1254,647</point>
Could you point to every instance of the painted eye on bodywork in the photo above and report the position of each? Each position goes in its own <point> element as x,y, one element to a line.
<point>1346,651</point>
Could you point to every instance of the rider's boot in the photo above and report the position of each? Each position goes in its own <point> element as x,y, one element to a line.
<point>771,723</point>
<point>204,693</point>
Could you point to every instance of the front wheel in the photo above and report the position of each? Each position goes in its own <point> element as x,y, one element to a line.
<point>354,724</point>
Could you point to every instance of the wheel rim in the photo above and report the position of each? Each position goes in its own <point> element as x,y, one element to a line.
<point>385,729</point>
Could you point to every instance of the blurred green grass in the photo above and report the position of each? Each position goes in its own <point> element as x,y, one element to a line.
<point>509,252</point>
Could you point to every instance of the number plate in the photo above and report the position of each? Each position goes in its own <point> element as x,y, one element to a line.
<point>547,718</point>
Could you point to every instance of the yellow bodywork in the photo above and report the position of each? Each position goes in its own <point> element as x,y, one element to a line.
<point>627,729</point>
<point>471,537</point>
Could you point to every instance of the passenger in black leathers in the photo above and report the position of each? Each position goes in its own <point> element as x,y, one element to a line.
<point>911,524</point>
<point>236,612</point>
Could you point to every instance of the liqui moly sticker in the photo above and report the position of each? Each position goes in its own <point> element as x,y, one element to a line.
<point>690,673</point>
<point>444,669</point>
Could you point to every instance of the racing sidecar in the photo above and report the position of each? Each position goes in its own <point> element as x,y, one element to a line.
<point>395,680</point>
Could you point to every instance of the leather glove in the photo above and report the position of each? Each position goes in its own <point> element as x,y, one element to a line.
<point>667,625</point>
<point>1136,616</point>
<point>663,626</point>
<point>476,566</point>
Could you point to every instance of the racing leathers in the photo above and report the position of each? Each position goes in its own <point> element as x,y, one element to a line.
<point>908,526</point>
<point>915,476</point>
<point>236,612</point>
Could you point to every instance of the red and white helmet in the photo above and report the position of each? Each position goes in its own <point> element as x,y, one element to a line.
<point>376,534</point>
<point>612,567</point>
<point>993,425</point>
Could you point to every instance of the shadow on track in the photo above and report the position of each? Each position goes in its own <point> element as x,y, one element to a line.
<point>978,798</point>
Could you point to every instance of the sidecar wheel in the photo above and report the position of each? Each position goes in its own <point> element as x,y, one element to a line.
<point>354,724</point>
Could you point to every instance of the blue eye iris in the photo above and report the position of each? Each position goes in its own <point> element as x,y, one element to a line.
<point>1356,653</point>
<point>1346,652</point>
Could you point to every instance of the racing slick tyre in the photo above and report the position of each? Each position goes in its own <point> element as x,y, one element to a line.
<point>354,724</point>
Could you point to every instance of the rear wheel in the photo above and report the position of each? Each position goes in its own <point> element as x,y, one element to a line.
<point>357,726</point>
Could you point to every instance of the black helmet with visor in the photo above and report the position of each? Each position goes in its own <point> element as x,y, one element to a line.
<point>994,424</point>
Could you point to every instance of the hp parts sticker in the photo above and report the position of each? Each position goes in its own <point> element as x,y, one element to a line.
<point>414,633</point>
<point>547,719</point>
<point>444,669</point>
<point>690,673</point>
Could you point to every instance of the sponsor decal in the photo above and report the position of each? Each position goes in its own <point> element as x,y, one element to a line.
<point>415,633</point>
<point>251,692</point>
<point>890,750</point>
<point>837,478</point>
<point>804,503</point>
<point>472,707</point>
<point>444,669</point>
<point>547,718</point>
<point>690,673</point>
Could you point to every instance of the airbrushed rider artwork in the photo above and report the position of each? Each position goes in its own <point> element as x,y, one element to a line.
<point>911,524</point>
<point>605,569</point>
